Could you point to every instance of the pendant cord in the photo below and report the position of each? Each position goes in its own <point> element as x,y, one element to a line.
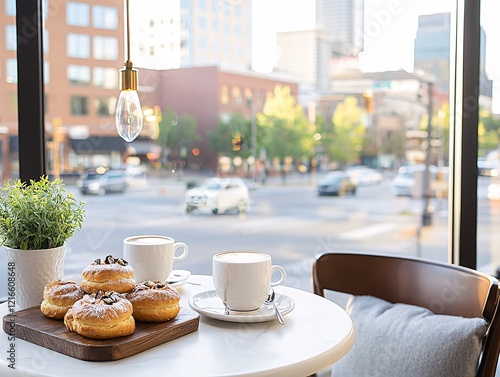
<point>128,30</point>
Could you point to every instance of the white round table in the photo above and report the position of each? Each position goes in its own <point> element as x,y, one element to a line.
<point>317,333</point>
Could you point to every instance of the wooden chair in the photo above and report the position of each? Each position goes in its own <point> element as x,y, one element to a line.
<point>442,288</point>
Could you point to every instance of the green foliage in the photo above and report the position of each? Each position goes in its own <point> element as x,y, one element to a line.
<point>488,133</point>
<point>227,130</point>
<point>349,131</point>
<point>177,133</point>
<point>284,128</point>
<point>41,215</point>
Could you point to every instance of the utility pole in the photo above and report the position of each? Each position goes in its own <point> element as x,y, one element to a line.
<point>427,210</point>
<point>253,136</point>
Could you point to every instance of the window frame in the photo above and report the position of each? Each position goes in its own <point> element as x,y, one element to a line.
<point>464,105</point>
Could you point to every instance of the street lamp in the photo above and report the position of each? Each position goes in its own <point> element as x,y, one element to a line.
<point>253,133</point>
<point>427,210</point>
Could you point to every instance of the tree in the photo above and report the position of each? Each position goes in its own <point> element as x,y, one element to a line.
<point>348,132</point>
<point>488,132</point>
<point>283,128</point>
<point>232,136</point>
<point>177,134</point>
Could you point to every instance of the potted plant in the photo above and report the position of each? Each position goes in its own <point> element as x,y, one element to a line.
<point>36,220</point>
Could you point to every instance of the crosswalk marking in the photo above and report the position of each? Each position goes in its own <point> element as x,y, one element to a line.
<point>367,231</point>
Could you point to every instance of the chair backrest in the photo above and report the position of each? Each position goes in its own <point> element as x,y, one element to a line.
<point>442,288</point>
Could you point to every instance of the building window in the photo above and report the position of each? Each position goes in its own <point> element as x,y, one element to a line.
<point>11,71</point>
<point>10,37</point>
<point>77,14</point>
<point>202,23</point>
<point>105,78</point>
<point>236,93</point>
<point>10,7</point>
<point>46,72</point>
<point>105,106</point>
<point>12,103</point>
<point>224,95</point>
<point>79,105</point>
<point>105,48</point>
<point>79,74</point>
<point>78,45</point>
<point>104,17</point>
<point>45,41</point>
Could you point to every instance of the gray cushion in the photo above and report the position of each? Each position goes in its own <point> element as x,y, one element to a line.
<point>405,340</point>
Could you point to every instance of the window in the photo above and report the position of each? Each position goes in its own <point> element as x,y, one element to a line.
<point>46,41</point>
<point>77,14</point>
<point>224,95</point>
<point>104,17</point>
<point>78,45</point>
<point>10,37</point>
<point>79,74</point>
<point>10,7</point>
<point>105,48</point>
<point>12,103</point>
<point>236,92</point>
<point>46,72</point>
<point>105,78</point>
<point>79,105</point>
<point>105,106</point>
<point>11,71</point>
<point>361,229</point>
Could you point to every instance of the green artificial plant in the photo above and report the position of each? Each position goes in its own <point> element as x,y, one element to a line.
<point>40,215</point>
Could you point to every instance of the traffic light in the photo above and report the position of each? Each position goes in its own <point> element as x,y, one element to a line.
<point>237,142</point>
<point>368,98</point>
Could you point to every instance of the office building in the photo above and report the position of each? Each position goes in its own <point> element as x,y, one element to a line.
<point>192,33</point>
<point>344,22</point>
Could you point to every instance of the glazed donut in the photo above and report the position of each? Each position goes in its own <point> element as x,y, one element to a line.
<point>109,274</point>
<point>58,297</point>
<point>154,301</point>
<point>103,315</point>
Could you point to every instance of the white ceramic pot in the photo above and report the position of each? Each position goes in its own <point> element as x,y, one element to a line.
<point>32,270</point>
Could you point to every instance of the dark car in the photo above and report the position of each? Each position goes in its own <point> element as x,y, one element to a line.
<point>336,183</point>
<point>102,183</point>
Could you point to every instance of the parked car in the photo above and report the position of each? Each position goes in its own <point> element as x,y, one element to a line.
<point>102,182</point>
<point>336,183</point>
<point>218,195</point>
<point>494,189</point>
<point>488,168</point>
<point>364,175</point>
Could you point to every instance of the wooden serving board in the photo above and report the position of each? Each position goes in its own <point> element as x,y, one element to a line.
<point>33,326</point>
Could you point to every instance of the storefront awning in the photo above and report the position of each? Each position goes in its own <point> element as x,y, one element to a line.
<point>99,144</point>
<point>142,147</point>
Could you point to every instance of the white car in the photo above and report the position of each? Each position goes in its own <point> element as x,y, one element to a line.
<point>364,176</point>
<point>218,195</point>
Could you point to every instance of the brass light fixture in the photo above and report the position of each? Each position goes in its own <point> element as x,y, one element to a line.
<point>128,116</point>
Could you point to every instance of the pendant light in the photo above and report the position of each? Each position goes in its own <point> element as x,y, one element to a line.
<point>128,116</point>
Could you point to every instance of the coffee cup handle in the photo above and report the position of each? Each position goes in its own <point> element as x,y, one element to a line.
<point>180,245</point>
<point>283,275</point>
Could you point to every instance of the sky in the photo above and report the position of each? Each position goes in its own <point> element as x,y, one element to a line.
<point>388,23</point>
<point>271,16</point>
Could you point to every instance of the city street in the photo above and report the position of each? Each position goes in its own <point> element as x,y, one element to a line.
<point>288,221</point>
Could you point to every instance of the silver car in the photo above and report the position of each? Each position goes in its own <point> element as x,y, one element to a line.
<point>218,195</point>
<point>102,183</point>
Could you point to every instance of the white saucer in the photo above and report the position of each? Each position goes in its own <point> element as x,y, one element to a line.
<point>177,277</point>
<point>209,304</point>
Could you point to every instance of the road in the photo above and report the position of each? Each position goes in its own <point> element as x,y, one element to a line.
<point>289,221</point>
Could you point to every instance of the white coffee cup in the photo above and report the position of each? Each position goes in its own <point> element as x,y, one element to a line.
<point>152,257</point>
<point>242,279</point>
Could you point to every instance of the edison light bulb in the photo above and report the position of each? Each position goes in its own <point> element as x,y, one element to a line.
<point>128,115</point>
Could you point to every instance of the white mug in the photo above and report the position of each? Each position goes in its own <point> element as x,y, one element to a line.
<point>152,257</point>
<point>242,279</point>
